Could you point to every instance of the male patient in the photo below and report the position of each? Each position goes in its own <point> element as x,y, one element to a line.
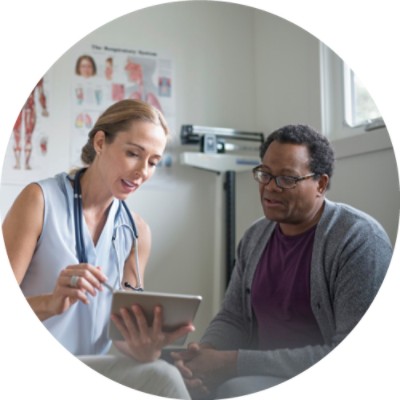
<point>304,275</point>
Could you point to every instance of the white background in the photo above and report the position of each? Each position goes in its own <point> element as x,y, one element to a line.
<point>35,34</point>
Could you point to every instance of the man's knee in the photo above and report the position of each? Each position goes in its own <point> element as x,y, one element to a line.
<point>244,385</point>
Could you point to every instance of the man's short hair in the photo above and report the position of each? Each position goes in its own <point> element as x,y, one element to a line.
<point>322,158</point>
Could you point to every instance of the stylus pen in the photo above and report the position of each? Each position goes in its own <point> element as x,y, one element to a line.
<point>109,287</point>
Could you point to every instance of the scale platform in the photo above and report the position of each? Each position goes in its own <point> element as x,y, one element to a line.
<point>219,162</point>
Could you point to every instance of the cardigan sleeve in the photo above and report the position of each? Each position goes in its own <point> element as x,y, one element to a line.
<point>231,328</point>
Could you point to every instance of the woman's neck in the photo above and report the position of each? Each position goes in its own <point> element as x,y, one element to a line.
<point>94,195</point>
<point>95,203</point>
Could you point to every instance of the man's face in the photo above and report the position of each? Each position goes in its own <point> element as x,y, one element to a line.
<point>295,209</point>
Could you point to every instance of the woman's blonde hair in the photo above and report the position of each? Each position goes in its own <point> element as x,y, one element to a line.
<point>119,117</point>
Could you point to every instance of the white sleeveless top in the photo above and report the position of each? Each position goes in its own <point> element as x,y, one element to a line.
<point>82,329</point>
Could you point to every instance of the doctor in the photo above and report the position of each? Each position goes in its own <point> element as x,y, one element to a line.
<point>70,237</point>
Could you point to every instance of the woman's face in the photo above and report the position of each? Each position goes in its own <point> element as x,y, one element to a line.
<point>86,68</point>
<point>131,159</point>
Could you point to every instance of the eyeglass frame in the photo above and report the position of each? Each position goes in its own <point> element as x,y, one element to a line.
<point>296,179</point>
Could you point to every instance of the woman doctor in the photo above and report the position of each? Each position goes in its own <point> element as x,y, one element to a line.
<point>68,238</point>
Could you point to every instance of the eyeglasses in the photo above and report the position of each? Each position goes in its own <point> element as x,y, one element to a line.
<point>283,181</point>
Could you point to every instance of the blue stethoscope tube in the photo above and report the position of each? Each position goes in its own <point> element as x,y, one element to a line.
<point>78,222</point>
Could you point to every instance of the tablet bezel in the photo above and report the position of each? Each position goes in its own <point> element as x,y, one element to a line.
<point>178,309</point>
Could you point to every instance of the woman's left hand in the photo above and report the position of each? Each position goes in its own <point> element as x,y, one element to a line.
<point>144,342</point>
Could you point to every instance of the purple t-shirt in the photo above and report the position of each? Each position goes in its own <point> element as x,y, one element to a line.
<point>281,293</point>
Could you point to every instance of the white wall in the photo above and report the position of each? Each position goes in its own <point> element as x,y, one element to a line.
<point>287,74</point>
<point>234,67</point>
<point>288,91</point>
<point>368,179</point>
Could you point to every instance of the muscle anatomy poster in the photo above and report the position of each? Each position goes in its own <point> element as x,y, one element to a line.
<point>28,145</point>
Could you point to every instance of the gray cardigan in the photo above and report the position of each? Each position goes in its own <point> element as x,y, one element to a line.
<point>351,254</point>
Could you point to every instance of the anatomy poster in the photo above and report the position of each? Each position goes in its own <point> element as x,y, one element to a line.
<point>28,145</point>
<point>104,75</point>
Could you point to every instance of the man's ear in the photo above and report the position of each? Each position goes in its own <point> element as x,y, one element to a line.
<point>323,182</point>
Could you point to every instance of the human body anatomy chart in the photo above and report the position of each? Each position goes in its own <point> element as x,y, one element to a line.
<point>104,75</point>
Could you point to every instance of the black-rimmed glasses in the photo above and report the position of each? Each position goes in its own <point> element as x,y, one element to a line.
<point>282,181</point>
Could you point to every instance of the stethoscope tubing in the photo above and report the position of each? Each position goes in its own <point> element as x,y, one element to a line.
<point>80,244</point>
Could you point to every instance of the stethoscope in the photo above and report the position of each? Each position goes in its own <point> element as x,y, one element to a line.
<point>80,245</point>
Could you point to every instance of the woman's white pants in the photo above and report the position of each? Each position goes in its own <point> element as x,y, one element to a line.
<point>158,377</point>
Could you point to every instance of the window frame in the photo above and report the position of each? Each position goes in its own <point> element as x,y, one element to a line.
<point>348,82</point>
<point>333,112</point>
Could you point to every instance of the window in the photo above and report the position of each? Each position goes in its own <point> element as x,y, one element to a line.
<point>347,107</point>
<point>360,108</point>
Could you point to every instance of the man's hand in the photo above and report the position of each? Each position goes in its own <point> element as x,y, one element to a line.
<point>205,368</point>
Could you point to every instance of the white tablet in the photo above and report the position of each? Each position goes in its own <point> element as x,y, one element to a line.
<point>178,309</point>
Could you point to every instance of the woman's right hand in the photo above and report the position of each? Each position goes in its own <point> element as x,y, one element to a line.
<point>66,292</point>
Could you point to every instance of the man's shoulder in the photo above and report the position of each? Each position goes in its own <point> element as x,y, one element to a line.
<point>341,218</point>
<point>347,212</point>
